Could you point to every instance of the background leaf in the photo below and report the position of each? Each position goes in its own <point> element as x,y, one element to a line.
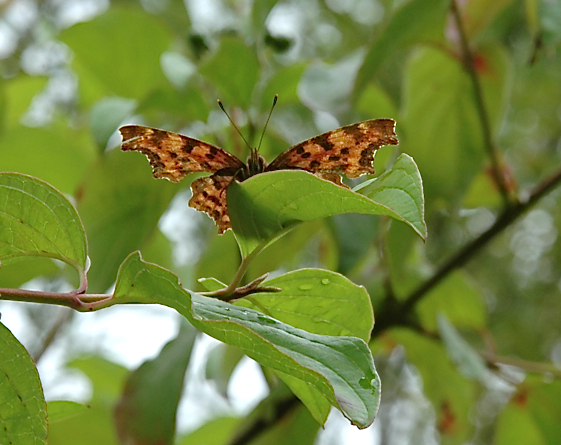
<point>341,368</point>
<point>146,412</point>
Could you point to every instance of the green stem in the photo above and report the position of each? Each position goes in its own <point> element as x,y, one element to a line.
<point>224,293</point>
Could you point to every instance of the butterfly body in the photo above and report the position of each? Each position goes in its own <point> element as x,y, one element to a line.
<point>348,150</point>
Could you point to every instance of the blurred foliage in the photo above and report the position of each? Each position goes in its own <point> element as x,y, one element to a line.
<point>73,72</point>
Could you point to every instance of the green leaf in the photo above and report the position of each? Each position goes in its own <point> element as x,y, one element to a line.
<point>477,15</point>
<point>267,205</point>
<point>318,301</point>
<point>317,404</point>
<point>401,190</point>
<point>221,363</point>
<point>235,86</point>
<point>36,219</point>
<point>146,412</point>
<point>19,92</point>
<point>137,41</point>
<point>61,410</point>
<point>458,299</point>
<point>23,412</point>
<point>340,368</point>
<point>106,115</point>
<point>216,432</point>
<point>516,426</point>
<point>413,21</point>
<point>355,236</point>
<point>441,116</point>
<point>56,154</point>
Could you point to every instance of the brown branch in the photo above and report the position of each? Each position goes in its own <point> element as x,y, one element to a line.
<point>75,300</point>
<point>480,104</point>
<point>401,313</point>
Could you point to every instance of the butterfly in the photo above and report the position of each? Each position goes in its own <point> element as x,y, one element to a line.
<point>347,150</point>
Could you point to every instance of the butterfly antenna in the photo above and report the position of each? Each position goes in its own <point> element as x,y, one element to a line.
<point>267,122</point>
<point>234,125</point>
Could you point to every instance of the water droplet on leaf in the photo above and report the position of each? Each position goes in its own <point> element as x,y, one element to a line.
<point>325,281</point>
<point>267,319</point>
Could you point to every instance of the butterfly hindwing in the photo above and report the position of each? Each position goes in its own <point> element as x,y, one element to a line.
<point>173,156</point>
<point>209,196</point>
<point>348,150</point>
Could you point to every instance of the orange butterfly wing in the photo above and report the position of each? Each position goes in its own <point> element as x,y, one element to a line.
<point>173,156</point>
<point>348,150</point>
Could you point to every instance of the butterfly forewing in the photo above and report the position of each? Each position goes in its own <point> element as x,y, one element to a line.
<point>348,150</point>
<point>173,155</point>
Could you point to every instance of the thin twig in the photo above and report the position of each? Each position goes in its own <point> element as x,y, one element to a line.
<point>63,317</point>
<point>480,105</point>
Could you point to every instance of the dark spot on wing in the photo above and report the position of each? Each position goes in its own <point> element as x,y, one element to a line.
<point>314,164</point>
<point>334,158</point>
<point>158,135</point>
<point>345,151</point>
<point>306,155</point>
<point>189,145</point>
<point>172,154</point>
<point>210,155</point>
<point>323,142</point>
<point>355,132</point>
<point>300,150</point>
<point>213,151</point>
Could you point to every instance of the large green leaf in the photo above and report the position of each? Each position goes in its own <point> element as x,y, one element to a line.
<point>146,412</point>
<point>36,219</point>
<point>413,21</point>
<point>56,154</point>
<point>340,368</point>
<point>23,411</point>
<point>318,301</point>
<point>235,86</point>
<point>265,206</point>
<point>443,124</point>
<point>19,92</point>
<point>133,43</point>
<point>458,299</point>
